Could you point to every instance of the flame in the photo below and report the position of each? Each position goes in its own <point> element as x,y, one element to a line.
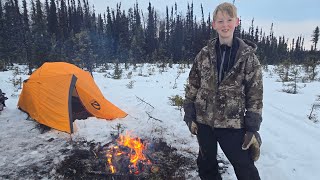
<point>109,160</point>
<point>136,153</point>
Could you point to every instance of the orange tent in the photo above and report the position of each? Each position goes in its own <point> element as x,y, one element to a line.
<point>47,96</point>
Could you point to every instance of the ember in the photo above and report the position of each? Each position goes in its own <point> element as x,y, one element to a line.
<point>127,156</point>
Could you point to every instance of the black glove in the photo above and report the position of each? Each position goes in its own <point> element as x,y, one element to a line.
<point>190,117</point>
<point>252,141</point>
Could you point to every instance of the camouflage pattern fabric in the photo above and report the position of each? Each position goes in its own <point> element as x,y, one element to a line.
<point>237,101</point>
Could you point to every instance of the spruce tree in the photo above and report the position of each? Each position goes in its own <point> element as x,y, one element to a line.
<point>124,41</point>
<point>189,35</point>
<point>315,37</point>
<point>78,24</point>
<point>2,39</point>
<point>53,19</point>
<point>40,46</point>
<point>150,39</point>
<point>12,32</point>
<point>27,36</point>
<point>63,21</point>
<point>137,51</point>
<point>178,40</point>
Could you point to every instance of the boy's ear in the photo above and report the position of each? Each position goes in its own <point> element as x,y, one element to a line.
<point>214,25</point>
<point>237,22</point>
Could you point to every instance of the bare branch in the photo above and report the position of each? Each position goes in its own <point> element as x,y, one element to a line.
<point>144,101</point>
<point>151,117</point>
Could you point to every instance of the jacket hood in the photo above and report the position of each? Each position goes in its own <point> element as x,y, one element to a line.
<point>246,42</point>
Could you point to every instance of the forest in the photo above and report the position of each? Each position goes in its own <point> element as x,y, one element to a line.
<point>71,31</point>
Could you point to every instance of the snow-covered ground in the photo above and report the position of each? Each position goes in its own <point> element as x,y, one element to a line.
<point>290,149</point>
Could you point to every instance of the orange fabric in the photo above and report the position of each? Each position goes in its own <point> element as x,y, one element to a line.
<point>46,94</point>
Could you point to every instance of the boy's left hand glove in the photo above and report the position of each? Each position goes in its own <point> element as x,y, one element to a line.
<point>252,141</point>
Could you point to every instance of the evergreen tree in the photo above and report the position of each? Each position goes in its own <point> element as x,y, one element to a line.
<point>100,25</point>
<point>124,41</point>
<point>160,56</point>
<point>256,35</point>
<point>137,51</point>
<point>178,40</point>
<point>63,21</point>
<point>204,37</point>
<point>315,37</point>
<point>110,53</point>
<point>84,50</point>
<point>211,32</point>
<point>167,33</point>
<point>27,36</point>
<point>150,40</point>
<point>189,35</point>
<point>39,34</point>
<point>93,20</point>
<point>53,19</point>
<point>251,30</point>
<point>172,33</point>
<point>47,9</point>
<point>78,24</point>
<point>12,32</point>
<point>86,15</point>
<point>2,38</point>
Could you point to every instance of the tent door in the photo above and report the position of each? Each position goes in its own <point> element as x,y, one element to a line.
<point>78,110</point>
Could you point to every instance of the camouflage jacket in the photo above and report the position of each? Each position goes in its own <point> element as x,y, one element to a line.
<point>237,101</point>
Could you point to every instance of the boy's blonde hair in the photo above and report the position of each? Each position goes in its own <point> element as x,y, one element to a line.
<point>226,7</point>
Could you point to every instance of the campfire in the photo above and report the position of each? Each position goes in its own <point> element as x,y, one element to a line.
<point>129,155</point>
<point>125,157</point>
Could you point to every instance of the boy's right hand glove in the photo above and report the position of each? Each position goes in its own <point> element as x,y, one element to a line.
<point>190,117</point>
<point>193,127</point>
<point>252,141</point>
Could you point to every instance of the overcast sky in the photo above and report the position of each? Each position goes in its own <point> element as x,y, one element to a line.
<point>290,18</point>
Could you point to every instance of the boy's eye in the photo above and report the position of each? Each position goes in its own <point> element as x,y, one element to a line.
<point>229,20</point>
<point>220,21</point>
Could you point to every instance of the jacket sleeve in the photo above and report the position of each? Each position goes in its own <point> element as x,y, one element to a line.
<point>191,91</point>
<point>254,94</point>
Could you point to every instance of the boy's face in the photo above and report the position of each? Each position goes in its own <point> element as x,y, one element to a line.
<point>225,25</point>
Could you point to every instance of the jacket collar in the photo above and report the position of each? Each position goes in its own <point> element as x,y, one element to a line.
<point>246,47</point>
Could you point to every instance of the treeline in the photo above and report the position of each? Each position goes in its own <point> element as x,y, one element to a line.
<point>71,30</point>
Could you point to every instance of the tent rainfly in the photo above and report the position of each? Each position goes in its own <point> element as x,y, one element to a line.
<point>54,92</point>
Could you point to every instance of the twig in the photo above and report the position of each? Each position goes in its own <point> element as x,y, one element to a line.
<point>133,117</point>
<point>144,101</point>
<point>175,81</point>
<point>311,112</point>
<point>314,106</point>
<point>95,154</point>
<point>151,117</point>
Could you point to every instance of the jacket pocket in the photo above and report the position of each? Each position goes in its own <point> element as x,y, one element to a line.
<point>234,103</point>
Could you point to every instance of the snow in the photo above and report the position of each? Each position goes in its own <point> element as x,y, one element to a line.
<point>290,140</point>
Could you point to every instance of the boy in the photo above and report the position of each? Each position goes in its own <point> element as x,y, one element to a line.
<point>224,100</point>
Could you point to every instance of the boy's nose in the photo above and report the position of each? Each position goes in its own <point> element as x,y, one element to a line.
<point>224,24</point>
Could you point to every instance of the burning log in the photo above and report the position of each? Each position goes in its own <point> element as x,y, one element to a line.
<point>127,156</point>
